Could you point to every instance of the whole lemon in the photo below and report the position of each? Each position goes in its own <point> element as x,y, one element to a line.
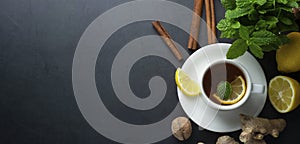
<point>287,56</point>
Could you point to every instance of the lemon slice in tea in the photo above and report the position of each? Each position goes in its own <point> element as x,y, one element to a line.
<point>284,93</point>
<point>188,86</point>
<point>238,86</point>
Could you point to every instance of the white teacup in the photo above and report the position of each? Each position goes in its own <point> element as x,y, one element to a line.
<point>250,86</point>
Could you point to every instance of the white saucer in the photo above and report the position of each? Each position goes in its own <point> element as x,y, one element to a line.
<point>213,119</point>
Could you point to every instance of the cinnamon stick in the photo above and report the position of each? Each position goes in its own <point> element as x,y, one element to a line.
<point>213,21</point>
<point>195,25</point>
<point>167,39</point>
<point>208,20</point>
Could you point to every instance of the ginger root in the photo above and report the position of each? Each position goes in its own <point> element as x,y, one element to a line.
<point>254,129</point>
<point>226,140</point>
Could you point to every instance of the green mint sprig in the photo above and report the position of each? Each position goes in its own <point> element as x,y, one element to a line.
<point>257,25</point>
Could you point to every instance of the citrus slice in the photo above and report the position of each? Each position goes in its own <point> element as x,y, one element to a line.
<point>284,93</point>
<point>238,86</point>
<point>188,86</point>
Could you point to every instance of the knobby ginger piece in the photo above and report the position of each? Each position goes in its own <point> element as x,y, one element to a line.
<point>255,128</point>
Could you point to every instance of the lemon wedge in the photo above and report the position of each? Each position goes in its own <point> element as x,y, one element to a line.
<point>284,93</point>
<point>188,86</point>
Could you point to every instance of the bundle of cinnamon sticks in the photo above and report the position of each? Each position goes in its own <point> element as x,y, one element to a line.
<point>194,29</point>
<point>195,25</point>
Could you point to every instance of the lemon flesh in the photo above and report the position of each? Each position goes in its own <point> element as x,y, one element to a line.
<point>287,56</point>
<point>238,86</point>
<point>284,93</point>
<point>188,86</point>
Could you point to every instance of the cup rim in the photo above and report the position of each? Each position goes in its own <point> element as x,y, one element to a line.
<point>240,102</point>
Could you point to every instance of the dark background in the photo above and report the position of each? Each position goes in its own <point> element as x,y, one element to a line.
<point>38,39</point>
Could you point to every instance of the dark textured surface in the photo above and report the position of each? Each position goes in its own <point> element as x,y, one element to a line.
<point>37,44</point>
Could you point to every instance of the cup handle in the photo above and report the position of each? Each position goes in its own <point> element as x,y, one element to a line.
<point>258,88</point>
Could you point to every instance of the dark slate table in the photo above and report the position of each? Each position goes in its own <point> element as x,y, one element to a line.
<point>38,40</point>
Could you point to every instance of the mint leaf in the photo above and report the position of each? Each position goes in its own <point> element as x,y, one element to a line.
<point>285,20</point>
<point>260,25</point>
<point>282,1</point>
<point>223,25</point>
<point>269,23</point>
<point>243,3</point>
<point>228,28</point>
<point>226,24</point>
<point>238,12</point>
<point>260,2</point>
<point>238,48</point>
<point>247,3</point>
<point>284,28</point>
<point>232,33</point>
<point>253,15</point>
<point>224,90</point>
<point>244,33</point>
<point>270,3</point>
<point>270,47</point>
<point>235,25</point>
<point>288,9</point>
<point>283,39</point>
<point>250,28</point>
<point>262,37</point>
<point>256,51</point>
<point>228,4</point>
<point>293,4</point>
